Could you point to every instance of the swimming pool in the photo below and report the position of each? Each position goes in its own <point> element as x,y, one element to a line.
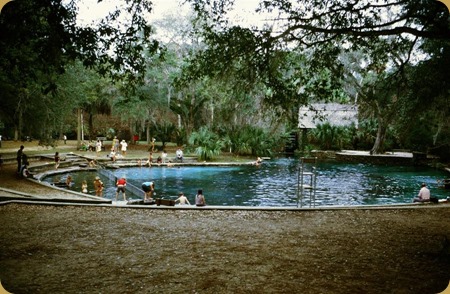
<point>274,183</point>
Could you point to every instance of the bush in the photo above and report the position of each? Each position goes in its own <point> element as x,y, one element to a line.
<point>208,143</point>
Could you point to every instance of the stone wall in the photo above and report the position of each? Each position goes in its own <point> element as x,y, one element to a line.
<point>374,159</point>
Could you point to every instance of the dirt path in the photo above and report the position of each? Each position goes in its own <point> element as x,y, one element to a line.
<point>69,249</point>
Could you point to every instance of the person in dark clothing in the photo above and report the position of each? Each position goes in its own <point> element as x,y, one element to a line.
<point>19,158</point>
<point>24,172</point>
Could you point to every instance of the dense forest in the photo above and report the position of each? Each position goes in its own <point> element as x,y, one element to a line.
<point>213,83</point>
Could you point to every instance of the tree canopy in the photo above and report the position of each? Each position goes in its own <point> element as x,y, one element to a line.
<point>233,79</point>
<point>395,37</point>
<point>39,39</point>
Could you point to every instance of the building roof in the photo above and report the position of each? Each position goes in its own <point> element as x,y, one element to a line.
<point>333,113</point>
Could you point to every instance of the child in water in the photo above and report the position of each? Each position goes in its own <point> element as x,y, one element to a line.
<point>84,187</point>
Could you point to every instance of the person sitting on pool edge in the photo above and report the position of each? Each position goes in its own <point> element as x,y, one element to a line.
<point>424,194</point>
<point>24,172</point>
<point>200,198</point>
<point>182,199</point>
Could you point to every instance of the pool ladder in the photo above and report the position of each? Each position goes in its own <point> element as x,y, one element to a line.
<point>306,181</point>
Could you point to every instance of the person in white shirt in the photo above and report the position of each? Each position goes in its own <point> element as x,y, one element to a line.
<point>164,156</point>
<point>179,154</point>
<point>98,147</point>
<point>124,147</point>
<point>424,194</point>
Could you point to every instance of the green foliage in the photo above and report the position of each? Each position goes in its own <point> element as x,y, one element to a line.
<point>48,142</point>
<point>208,143</point>
<point>249,140</point>
<point>330,137</point>
<point>364,136</point>
<point>420,135</point>
<point>180,135</point>
<point>39,39</point>
<point>83,88</point>
<point>189,109</point>
<point>299,61</point>
<point>244,83</point>
<point>164,132</point>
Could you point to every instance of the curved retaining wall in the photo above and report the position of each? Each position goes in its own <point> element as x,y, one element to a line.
<point>388,159</point>
<point>391,158</point>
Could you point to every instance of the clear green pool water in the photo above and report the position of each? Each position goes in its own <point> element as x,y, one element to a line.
<point>274,183</point>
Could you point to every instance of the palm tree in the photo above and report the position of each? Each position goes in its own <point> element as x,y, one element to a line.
<point>208,143</point>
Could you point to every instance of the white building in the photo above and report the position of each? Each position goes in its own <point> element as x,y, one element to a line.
<point>309,117</point>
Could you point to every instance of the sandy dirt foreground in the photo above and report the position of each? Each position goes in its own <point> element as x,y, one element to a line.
<point>94,249</point>
<point>69,249</point>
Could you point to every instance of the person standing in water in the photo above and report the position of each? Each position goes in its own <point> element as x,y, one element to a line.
<point>149,190</point>
<point>84,187</point>
<point>121,184</point>
<point>98,186</point>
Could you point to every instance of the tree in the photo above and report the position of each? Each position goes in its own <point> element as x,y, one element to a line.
<point>208,143</point>
<point>428,104</point>
<point>378,90</point>
<point>322,30</point>
<point>189,110</point>
<point>39,38</point>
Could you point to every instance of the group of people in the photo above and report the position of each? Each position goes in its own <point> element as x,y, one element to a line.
<point>162,159</point>
<point>91,145</point>
<point>22,164</point>
<point>97,146</point>
<point>147,187</point>
<point>68,183</point>
<point>199,199</point>
<point>115,146</point>
<point>149,193</point>
<point>114,154</point>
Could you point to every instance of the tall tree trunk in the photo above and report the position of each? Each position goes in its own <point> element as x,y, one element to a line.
<point>147,131</point>
<point>378,146</point>
<point>92,136</point>
<point>16,133</point>
<point>438,131</point>
<point>61,135</point>
<point>79,126</point>
<point>132,128</point>
<point>18,128</point>
<point>212,115</point>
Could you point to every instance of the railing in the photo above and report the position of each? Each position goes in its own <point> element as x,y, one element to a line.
<point>306,180</point>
